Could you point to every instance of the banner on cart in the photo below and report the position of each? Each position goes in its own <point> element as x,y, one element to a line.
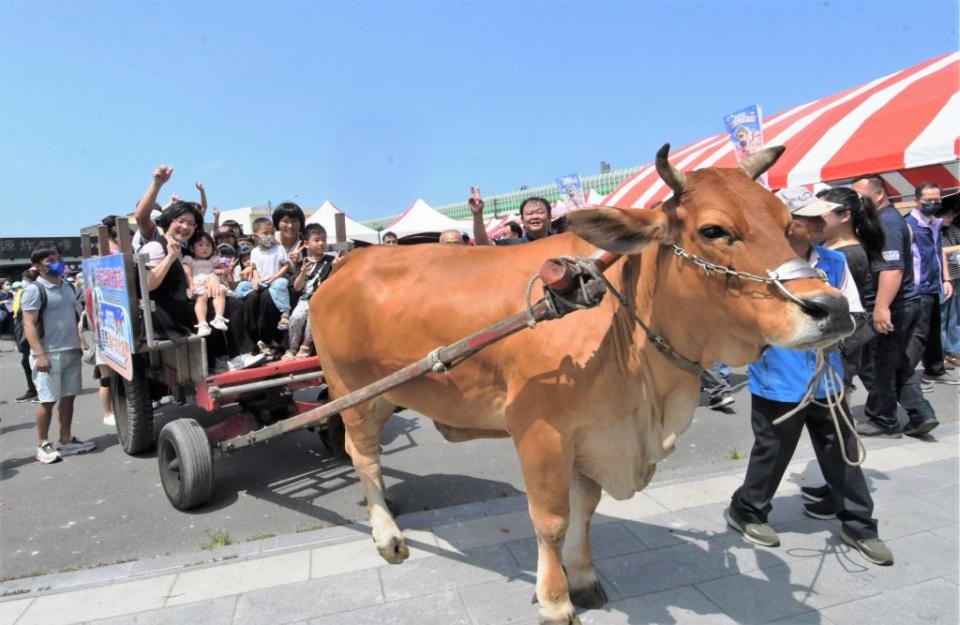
<point>108,310</point>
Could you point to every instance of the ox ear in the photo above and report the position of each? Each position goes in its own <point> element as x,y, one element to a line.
<point>618,230</point>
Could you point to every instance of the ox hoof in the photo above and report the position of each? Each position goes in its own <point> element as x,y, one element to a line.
<point>394,550</point>
<point>589,598</point>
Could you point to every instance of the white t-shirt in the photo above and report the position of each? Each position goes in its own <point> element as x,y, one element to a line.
<point>202,269</point>
<point>268,262</point>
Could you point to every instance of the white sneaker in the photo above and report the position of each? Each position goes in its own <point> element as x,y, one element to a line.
<point>75,446</point>
<point>220,323</point>
<point>109,420</point>
<point>245,361</point>
<point>46,454</point>
<point>203,329</point>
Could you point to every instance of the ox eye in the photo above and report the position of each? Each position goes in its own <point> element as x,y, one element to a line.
<point>715,232</point>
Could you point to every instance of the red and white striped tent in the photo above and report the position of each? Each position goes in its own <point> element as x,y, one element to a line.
<point>905,126</point>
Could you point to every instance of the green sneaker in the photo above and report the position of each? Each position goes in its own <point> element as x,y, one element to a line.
<point>759,533</point>
<point>873,549</point>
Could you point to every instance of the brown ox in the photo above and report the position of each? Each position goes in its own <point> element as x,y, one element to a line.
<point>588,403</point>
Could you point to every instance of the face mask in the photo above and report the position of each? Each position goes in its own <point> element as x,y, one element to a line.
<point>56,269</point>
<point>929,208</point>
<point>267,242</point>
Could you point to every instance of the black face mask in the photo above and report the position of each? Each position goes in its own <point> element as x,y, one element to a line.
<point>930,208</point>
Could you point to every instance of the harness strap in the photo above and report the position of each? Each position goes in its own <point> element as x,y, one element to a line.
<point>675,357</point>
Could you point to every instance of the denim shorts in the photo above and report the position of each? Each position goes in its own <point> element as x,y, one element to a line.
<point>64,378</point>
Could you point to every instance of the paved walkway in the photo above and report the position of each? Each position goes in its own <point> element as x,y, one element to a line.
<point>665,556</point>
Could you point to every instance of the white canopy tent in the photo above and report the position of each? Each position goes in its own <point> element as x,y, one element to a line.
<point>422,218</point>
<point>355,231</point>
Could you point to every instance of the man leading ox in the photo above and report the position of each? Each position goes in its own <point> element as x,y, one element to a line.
<point>588,402</point>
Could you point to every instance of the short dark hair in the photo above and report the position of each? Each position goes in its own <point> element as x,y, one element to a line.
<point>389,233</point>
<point>110,221</point>
<point>536,199</point>
<point>29,274</point>
<point>43,252</point>
<point>313,229</point>
<point>515,227</point>
<point>179,209</point>
<point>259,221</point>
<point>923,186</point>
<point>197,236</point>
<point>874,181</point>
<point>288,209</point>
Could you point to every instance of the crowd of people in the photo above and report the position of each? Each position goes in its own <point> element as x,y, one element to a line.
<point>248,295</point>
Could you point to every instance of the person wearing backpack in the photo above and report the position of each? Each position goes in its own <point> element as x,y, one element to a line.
<point>27,278</point>
<point>50,315</point>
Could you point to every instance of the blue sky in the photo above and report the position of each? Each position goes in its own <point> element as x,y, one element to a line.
<point>373,104</point>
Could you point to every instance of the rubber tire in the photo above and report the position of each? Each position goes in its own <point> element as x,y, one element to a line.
<point>333,435</point>
<point>189,484</point>
<point>133,409</point>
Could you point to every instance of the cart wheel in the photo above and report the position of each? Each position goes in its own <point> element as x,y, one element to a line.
<point>186,463</point>
<point>333,435</point>
<point>133,409</point>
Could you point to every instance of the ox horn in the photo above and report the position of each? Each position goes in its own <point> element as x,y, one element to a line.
<point>670,175</point>
<point>759,162</point>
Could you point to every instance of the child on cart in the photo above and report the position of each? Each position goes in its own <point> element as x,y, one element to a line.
<point>270,267</point>
<point>205,285</point>
<point>314,269</point>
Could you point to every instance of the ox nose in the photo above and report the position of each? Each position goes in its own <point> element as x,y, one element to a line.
<point>831,312</point>
<point>823,306</point>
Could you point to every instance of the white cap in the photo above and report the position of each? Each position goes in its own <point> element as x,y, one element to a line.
<point>803,203</point>
<point>155,214</point>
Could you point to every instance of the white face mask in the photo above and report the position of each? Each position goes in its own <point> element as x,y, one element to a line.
<point>267,241</point>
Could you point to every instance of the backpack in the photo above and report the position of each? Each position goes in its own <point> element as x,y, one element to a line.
<point>23,346</point>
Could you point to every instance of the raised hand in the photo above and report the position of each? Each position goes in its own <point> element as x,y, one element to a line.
<point>476,201</point>
<point>294,256</point>
<point>174,249</point>
<point>162,174</point>
<point>174,198</point>
<point>199,186</point>
<point>216,213</point>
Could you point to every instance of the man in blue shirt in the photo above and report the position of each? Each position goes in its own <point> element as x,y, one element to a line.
<point>932,284</point>
<point>778,383</point>
<point>896,313</point>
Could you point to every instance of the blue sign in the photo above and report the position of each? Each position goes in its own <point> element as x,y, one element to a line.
<point>108,309</point>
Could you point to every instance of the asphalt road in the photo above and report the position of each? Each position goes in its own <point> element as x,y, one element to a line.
<point>106,507</point>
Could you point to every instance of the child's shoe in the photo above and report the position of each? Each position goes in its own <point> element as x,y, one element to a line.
<point>220,323</point>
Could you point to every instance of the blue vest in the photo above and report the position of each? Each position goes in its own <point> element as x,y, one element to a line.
<point>783,374</point>
<point>926,256</point>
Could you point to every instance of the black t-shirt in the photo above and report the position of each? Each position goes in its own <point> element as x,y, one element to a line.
<point>896,252</point>
<point>859,266</point>
<point>520,240</point>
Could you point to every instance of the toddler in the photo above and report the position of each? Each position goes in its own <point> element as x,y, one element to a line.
<point>199,266</point>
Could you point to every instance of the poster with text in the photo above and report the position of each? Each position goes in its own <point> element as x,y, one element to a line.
<point>108,309</point>
<point>570,189</point>
<point>745,128</point>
